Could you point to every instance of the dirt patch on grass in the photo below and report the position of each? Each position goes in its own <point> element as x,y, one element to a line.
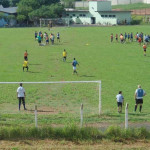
<point>54,144</point>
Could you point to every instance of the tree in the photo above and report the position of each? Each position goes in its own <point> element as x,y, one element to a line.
<point>21,18</point>
<point>13,3</point>
<point>35,9</point>
<point>5,3</point>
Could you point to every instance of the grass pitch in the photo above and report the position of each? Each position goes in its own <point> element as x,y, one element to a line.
<point>118,66</point>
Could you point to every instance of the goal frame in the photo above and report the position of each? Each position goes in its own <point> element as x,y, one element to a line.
<point>55,82</point>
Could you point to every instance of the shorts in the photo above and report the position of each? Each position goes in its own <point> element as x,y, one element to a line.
<point>74,67</point>
<point>139,101</point>
<point>25,57</point>
<point>39,41</point>
<point>116,38</point>
<point>47,41</point>
<point>144,50</point>
<point>119,104</point>
<point>35,37</point>
<point>64,57</point>
<point>58,37</point>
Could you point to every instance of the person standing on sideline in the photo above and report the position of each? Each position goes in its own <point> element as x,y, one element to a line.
<point>25,65</point>
<point>64,55</point>
<point>26,55</point>
<point>139,93</point>
<point>74,63</point>
<point>144,48</point>
<point>120,101</point>
<point>21,96</point>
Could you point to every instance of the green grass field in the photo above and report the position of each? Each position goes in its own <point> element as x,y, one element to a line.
<point>118,66</point>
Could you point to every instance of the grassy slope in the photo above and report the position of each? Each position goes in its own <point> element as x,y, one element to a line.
<point>119,66</point>
<point>131,6</point>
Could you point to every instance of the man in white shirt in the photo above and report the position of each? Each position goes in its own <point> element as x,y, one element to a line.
<point>120,101</point>
<point>21,96</point>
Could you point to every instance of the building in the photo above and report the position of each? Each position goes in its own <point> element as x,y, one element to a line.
<point>7,12</point>
<point>100,12</point>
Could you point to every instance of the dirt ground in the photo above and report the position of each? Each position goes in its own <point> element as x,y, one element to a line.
<point>64,145</point>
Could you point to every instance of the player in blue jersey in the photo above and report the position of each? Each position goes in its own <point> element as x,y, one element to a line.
<point>74,64</point>
<point>139,93</point>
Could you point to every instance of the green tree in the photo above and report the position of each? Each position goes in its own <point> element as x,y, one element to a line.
<point>21,18</point>
<point>5,3</point>
<point>13,3</point>
<point>35,9</point>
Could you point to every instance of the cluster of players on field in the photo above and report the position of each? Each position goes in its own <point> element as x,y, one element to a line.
<point>45,37</point>
<point>139,37</point>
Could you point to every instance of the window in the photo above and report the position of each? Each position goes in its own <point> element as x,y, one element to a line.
<point>74,14</point>
<point>80,15</point>
<point>67,14</point>
<point>106,15</point>
<point>84,15</point>
<point>110,15</point>
<point>77,16</point>
<point>70,16</point>
<point>113,15</point>
<point>102,15</point>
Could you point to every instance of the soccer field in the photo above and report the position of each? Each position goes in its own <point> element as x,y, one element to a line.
<point>118,66</point>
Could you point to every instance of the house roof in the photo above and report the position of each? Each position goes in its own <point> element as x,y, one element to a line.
<point>75,10</point>
<point>9,10</point>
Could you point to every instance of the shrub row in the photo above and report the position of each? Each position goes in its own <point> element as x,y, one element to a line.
<point>73,133</point>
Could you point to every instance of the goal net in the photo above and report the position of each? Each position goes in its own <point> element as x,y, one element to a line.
<point>54,22</point>
<point>57,102</point>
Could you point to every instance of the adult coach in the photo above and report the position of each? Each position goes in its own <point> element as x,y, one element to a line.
<point>74,64</point>
<point>21,96</point>
<point>139,93</point>
<point>120,101</point>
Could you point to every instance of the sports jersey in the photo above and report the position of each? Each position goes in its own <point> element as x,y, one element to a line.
<point>74,63</point>
<point>25,64</point>
<point>25,54</point>
<point>144,46</point>
<point>139,93</point>
<point>64,54</point>
<point>119,98</point>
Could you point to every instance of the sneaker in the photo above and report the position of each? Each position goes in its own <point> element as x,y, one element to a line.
<point>25,109</point>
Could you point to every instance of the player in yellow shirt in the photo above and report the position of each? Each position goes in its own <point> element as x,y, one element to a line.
<point>25,65</point>
<point>64,55</point>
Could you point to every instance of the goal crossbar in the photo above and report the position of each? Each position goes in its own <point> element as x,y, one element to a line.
<point>55,82</point>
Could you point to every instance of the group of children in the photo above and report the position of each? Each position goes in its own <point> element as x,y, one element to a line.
<point>139,37</point>
<point>40,36</point>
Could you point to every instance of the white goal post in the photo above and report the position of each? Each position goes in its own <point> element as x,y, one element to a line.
<point>55,82</point>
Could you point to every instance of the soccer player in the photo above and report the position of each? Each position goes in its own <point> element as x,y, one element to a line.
<point>139,93</point>
<point>120,101</point>
<point>26,55</point>
<point>64,55</point>
<point>111,37</point>
<point>21,96</point>
<point>35,34</point>
<point>144,48</point>
<point>74,63</point>
<point>131,36</point>
<point>139,40</point>
<point>25,65</point>
<point>39,40</point>
<point>58,37</point>
<point>116,37</point>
